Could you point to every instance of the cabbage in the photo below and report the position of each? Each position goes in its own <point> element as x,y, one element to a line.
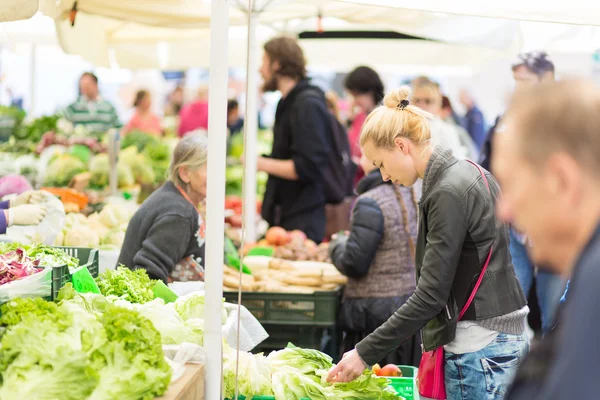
<point>124,175</point>
<point>254,374</point>
<point>191,306</point>
<point>289,384</point>
<point>62,169</point>
<point>81,236</point>
<point>306,361</point>
<point>13,184</point>
<point>113,215</point>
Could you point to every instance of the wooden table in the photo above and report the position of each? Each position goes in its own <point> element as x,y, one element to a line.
<point>189,387</point>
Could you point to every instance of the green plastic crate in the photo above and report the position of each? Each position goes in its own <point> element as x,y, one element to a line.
<point>406,385</point>
<point>87,258</point>
<point>319,309</point>
<point>263,398</point>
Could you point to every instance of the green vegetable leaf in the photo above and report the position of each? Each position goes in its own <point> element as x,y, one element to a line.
<point>132,285</point>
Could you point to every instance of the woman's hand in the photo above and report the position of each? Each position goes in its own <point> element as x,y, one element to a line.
<point>349,368</point>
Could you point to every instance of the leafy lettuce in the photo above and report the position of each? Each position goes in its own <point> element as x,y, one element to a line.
<point>134,286</point>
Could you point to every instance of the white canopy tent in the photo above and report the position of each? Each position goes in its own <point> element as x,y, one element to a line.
<point>15,10</point>
<point>579,12</point>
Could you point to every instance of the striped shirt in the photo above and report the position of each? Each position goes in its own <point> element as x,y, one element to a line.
<point>96,116</point>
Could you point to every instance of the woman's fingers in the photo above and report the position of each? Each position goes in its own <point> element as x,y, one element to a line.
<point>334,372</point>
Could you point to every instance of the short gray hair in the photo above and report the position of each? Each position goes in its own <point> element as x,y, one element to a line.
<point>190,152</point>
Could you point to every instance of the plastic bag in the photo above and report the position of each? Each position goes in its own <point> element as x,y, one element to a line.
<point>179,355</point>
<point>252,332</point>
<point>47,231</point>
<point>36,285</point>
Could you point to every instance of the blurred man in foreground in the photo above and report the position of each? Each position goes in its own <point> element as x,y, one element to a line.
<point>547,160</point>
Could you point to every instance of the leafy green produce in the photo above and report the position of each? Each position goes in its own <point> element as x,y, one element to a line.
<point>52,256</point>
<point>132,362</point>
<point>158,151</point>
<point>254,374</point>
<point>18,146</point>
<point>64,351</point>
<point>306,361</point>
<point>81,151</point>
<point>46,354</point>
<point>134,286</point>
<point>36,129</point>
<point>62,169</point>
<point>172,327</point>
<point>138,139</point>
<point>302,373</point>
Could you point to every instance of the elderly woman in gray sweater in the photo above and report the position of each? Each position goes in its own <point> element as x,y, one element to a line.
<point>166,235</point>
<point>377,255</point>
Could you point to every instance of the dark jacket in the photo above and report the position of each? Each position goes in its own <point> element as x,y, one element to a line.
<point>565,364</point>
<point>485,157</point>
<point>302,134</point>
<point>162,232</point>
<point>474,123</point>
<point>376,256</point>
<point>457,226</point>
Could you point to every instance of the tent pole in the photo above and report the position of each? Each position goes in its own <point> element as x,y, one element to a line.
<point>215,201</point>
<point>251,129</point>
<point>32,79</point>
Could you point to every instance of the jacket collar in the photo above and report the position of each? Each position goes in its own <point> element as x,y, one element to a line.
<point>370,181</point>
<point>440,160</point>
<point>289,99</point>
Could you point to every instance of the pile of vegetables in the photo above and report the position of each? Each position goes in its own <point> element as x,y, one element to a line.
<point>62,351</point>
<point>234,175</point>
<point>34,130</point>
<point>294,373</point>
<point>62,169</point>
<point>281,276</point>
<point>16,265</point>
<point>10,121</point>
<point>104,230</point>
<point>18,261</point>
<point>50,138</point>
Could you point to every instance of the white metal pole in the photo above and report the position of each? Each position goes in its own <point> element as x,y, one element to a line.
<point>32,79</point>
<point>251,129</point>
<point>215,202</point>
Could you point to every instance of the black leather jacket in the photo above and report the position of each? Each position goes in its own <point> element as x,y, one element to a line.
<point>457,226</point>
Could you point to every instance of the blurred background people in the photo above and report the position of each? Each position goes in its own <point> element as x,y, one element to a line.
<point>143,119</point>
<point>90,109</point>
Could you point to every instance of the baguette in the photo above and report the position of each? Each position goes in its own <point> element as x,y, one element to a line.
<point>335,279</point>
<point>298,281</point>
<point>235,283</point>
<point>279,264</point>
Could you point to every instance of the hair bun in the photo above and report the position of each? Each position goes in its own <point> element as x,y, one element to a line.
<point>397,98</point>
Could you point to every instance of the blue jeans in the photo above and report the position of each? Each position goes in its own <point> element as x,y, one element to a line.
<point>487,373</point>
<point>549,287</point>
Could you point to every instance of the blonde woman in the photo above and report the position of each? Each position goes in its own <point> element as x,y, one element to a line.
<point>378,257</point>
<point>459,240</point>
<point>166,235</point>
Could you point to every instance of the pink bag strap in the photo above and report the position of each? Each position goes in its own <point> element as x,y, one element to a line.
<point>489,257</point>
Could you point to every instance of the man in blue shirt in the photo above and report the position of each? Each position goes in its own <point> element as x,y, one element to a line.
<point>547,161</point>
<point>473,120</point>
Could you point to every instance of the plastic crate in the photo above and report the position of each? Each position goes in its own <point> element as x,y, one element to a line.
<point>87,258</point>
<point>406,385</point>
<point>263,398</point>
<point>319,309</point>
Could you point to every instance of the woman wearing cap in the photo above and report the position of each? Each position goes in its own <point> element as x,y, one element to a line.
<point>166,235</point>
<point>462,262</point>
